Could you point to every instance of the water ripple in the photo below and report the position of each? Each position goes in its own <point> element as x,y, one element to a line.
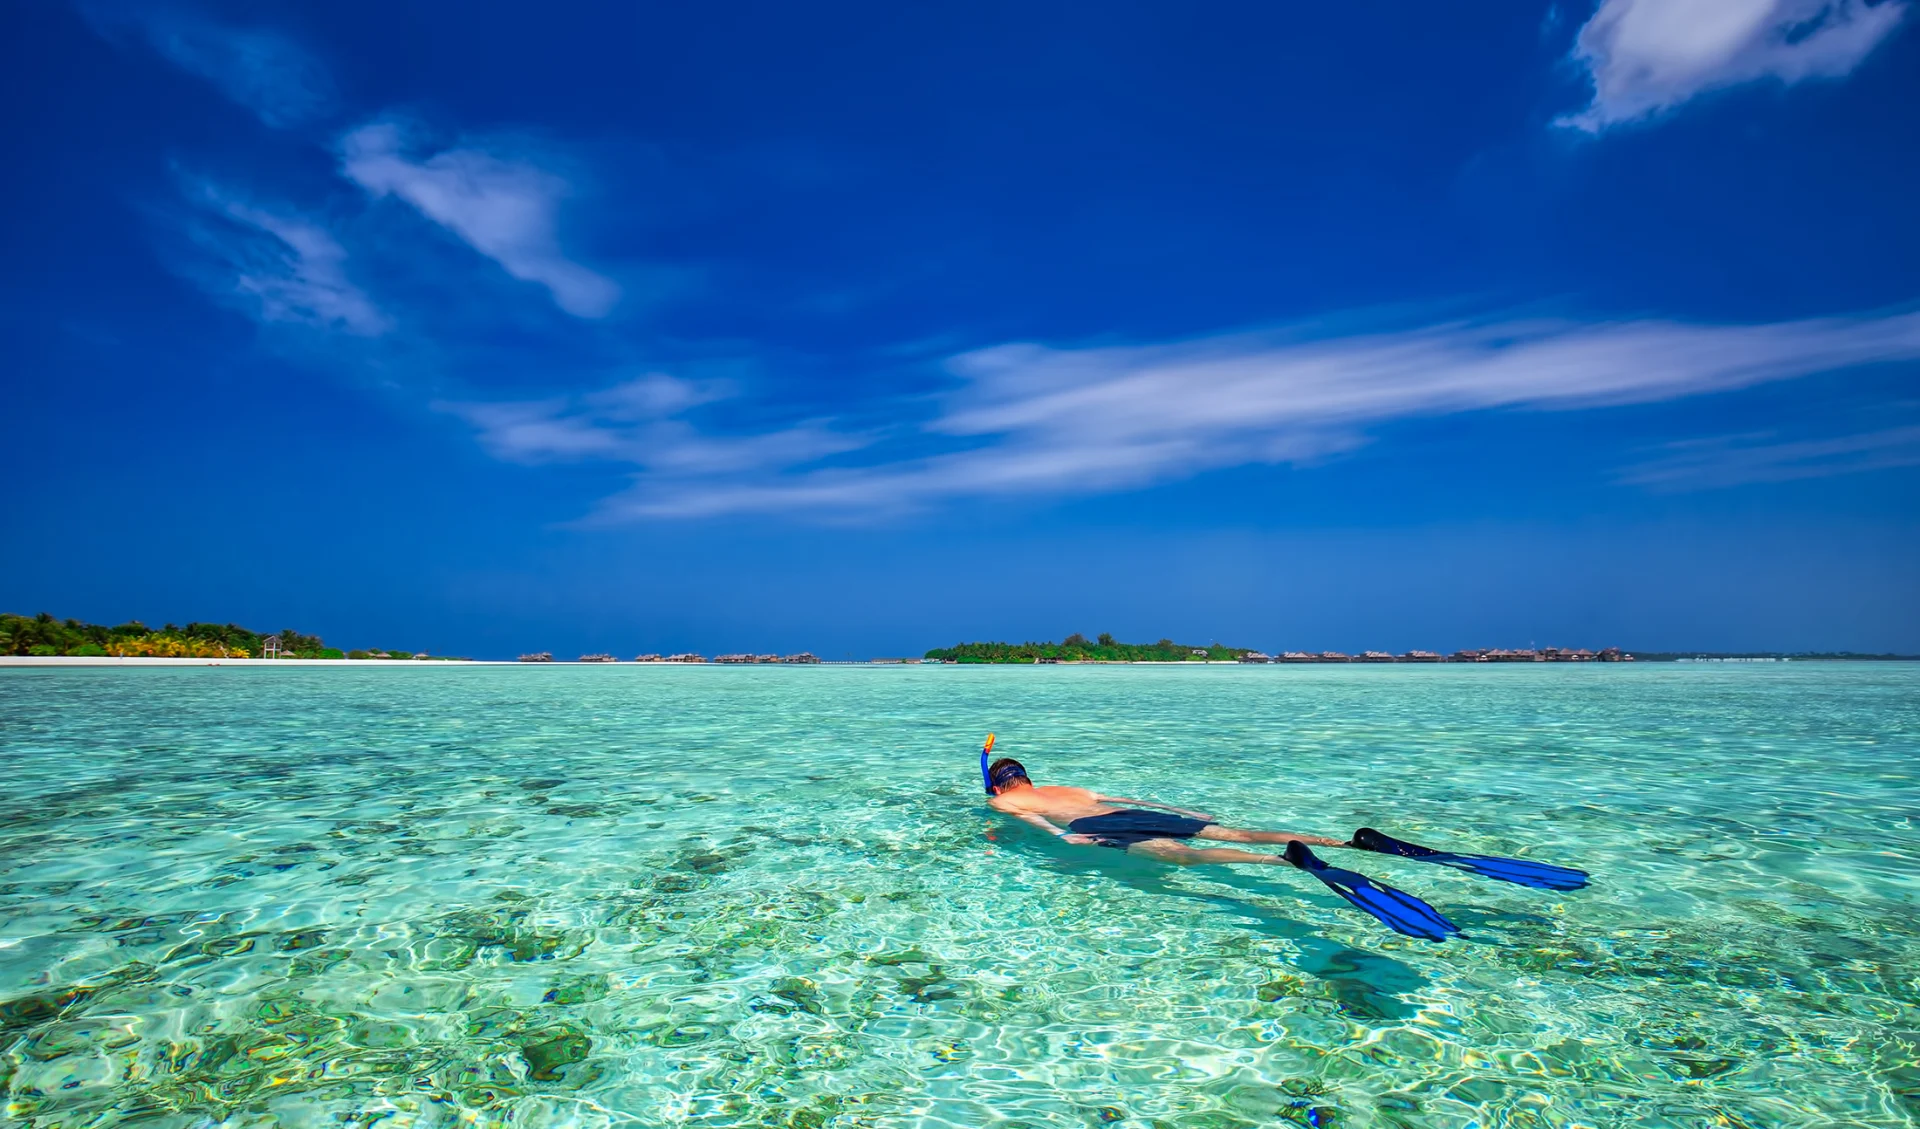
<point>627,896</point>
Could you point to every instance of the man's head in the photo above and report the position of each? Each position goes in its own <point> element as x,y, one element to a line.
<point>1006,774</point>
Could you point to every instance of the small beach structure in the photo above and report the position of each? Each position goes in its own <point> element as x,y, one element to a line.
<point>648,659</point>
<point>1335,657</point>
<point>687,657</point>
<point>1256,657</point>
<point>598,659</point>
<point>537,657</point>
<point>802,657</point>
<point>1421,657</point>
<point>1375,657</point>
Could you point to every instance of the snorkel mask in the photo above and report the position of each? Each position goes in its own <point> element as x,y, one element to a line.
<point>1007,774</point>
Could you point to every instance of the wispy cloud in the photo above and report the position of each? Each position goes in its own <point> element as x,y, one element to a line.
<point>1737,460</point>
<point>504,208</point>
<point>277,266</point>
<point>1033,420</point>
<point>260,69</point>
<point>638,422</point>
<point>1648,56</point>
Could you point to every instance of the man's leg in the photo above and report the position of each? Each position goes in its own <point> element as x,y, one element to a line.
<point>1178,853</point>
<point>1238,835</point>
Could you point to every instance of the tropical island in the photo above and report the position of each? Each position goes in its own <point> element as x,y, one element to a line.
<point>1078,648</point>
<point>44,636</point>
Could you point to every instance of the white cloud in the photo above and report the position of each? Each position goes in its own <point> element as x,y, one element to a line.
<point>1736,460</point>
<point>636,422</point>
<point>1034,420</point>
<point>261,70</point>
<point>504,209</point>
<point>1648,56</point>
<point>279,267</point>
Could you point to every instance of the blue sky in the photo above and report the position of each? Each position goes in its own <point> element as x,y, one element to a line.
<point>868,328</point>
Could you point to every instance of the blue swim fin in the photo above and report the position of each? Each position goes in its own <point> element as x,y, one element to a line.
<point>1401,912</point>
<point>1520,872</point>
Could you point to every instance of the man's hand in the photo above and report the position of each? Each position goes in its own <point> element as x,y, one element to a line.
<point>1188,812</point>
<point>1078,839</point>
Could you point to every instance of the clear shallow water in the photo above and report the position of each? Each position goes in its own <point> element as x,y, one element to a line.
<point>772,897</point>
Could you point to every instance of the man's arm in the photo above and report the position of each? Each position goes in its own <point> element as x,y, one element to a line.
<point>1039,821</point>
<point>1188,812</point>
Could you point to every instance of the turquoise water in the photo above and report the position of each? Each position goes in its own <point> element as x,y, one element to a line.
<point>772,897</point>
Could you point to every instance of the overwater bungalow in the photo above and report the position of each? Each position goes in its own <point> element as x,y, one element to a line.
<point>1256,657</point>
<point>1375,657</point>
<point>597,659</point>
<point>538,657</point>
<point>1335,657</point>
<point>802,657</point>
<point>687,657</point>
<point>1299,657</point>
<point>1421,657</point>
<point>648,659</point>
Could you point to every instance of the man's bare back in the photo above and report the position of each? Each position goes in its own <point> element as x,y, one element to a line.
<point>1054,801</point>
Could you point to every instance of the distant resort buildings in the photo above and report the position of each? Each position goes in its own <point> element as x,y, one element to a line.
<point>1491,655</point>
<point>1200,654</point>
<point>802,658</point>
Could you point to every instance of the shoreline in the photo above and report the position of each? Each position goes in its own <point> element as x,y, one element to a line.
<point>31,661</point>
<point>150,660</point>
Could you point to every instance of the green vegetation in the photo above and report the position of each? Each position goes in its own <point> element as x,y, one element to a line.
<point>1078,648</point>
<point>45,635</point>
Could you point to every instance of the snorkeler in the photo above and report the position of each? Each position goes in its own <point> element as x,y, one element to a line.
<point>1163,832</point>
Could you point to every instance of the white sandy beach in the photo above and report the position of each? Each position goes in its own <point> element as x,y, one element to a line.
<point>109,660</point>
<point>428,664</point>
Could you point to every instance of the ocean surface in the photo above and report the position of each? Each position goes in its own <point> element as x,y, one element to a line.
<point>669,896</point>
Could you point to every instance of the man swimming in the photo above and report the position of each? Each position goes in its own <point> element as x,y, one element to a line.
<point>1114,821</point>
<point>1164,832</point>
